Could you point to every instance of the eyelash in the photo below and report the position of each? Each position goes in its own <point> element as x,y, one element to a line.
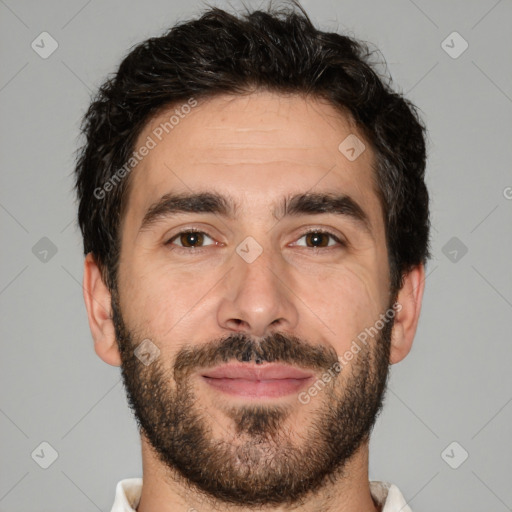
<point>341,243</point>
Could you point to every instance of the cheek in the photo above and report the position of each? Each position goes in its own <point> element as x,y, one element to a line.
<point>164,299</point>
<point>344,302</point>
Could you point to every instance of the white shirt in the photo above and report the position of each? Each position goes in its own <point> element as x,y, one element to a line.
<point>386,494</point>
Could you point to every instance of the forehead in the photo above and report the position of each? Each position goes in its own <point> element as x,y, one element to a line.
<point>258,145</point>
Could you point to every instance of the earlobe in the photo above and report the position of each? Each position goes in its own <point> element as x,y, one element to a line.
<point>97,299</point>
<point>408,312</point>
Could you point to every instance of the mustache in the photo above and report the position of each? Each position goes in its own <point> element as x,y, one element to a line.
<point>276,347</point>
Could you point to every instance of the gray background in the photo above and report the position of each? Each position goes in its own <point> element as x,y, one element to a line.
<point>455,385</point>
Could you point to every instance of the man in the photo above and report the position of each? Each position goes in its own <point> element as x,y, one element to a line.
<point>255,223</point>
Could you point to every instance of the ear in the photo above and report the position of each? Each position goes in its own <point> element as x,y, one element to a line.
<point>408,313</point>
<point>97,299</point>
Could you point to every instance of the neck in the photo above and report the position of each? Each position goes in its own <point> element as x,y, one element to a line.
<point>165,491</point>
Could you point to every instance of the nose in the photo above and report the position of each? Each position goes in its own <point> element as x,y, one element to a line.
<point>257,297</point>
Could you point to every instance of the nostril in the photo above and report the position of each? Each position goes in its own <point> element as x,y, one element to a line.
<point>238,324</point>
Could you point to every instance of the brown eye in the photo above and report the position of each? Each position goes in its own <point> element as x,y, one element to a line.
<point>189,239</point>
<point>319,239</point>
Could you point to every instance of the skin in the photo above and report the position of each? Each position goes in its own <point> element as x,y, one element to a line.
<point>258,148</point>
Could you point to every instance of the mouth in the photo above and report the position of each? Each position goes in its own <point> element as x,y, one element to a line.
<point>262,381</point>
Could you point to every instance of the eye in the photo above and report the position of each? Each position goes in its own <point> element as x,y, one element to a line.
<point>190,239</point>
<point>195,239</point>
<point>320,238</point>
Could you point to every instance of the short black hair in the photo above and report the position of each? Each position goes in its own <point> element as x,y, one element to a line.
<point>278,50</point>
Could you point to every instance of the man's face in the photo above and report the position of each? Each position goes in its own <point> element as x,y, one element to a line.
<point>253,289</point>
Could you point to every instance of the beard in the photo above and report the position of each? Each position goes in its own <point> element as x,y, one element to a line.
<point>261,458</point>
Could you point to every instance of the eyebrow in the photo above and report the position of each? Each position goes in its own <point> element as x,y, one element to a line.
<point>308,203</point>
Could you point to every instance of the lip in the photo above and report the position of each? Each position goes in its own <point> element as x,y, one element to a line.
<point>270,371</point>
<point>257,381</point>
